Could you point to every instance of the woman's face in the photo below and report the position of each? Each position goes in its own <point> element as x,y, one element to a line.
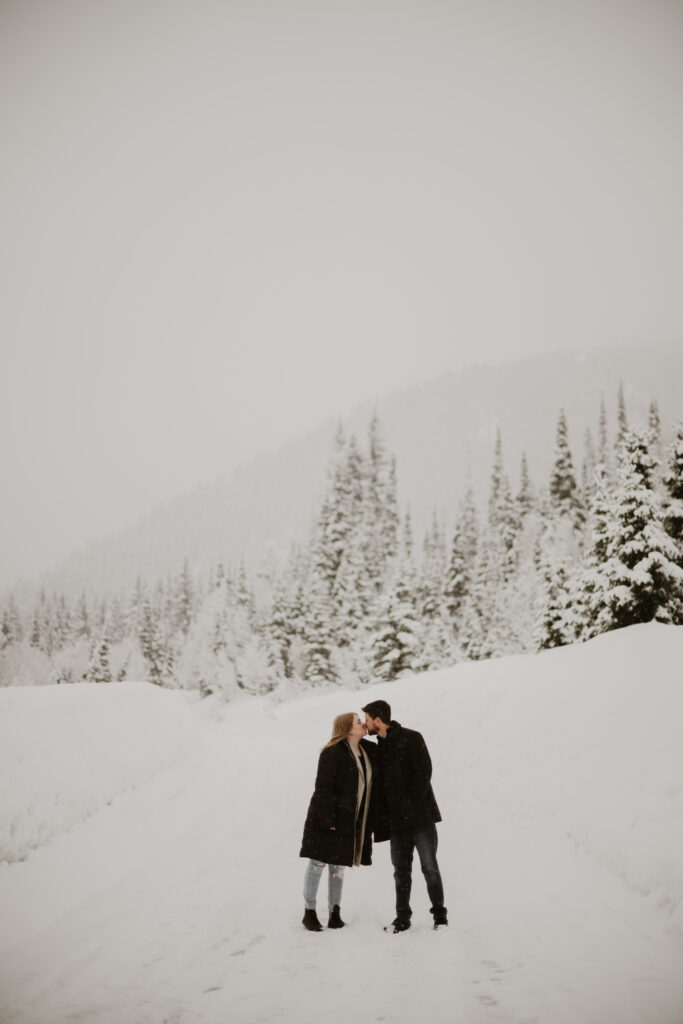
<point>358,728</point>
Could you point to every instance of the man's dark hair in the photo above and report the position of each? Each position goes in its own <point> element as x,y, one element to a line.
<point>378,709</point>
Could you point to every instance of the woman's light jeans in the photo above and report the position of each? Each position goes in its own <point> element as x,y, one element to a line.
<point>335,880</point>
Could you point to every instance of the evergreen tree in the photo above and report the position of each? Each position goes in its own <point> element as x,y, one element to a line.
<point>564,493</point>
<point>588,468</point>
<point>151,643</point>
<point>525,497</point>
<point>430,590</point>
<point>318,644</point>
<point>280,634</point>
<point>642,580</point>
<point>117,620</point>
<point>503,516</point>
<point>396,639</point>
<point>592,588</point>
<point>463,558</point>
<point>655,427</point>
<point>673,481</point>
<point>340,510</point>
<point>12,629</point>
<point>183,600</point>
<point>353,601</point>
<point>603,440</point>
<point>81,619</point>
<point>99,669</point>
<point>62,623</point>
<point>407,546</point>
<point>498,482</point>
<point>486,630</point>
<point>380,510</point>
<point>34,639</point>
<point>673,503</point>
<point>436,644</point>
<point>553,626</point>
<point>622,422</point>
<point>654,423</point>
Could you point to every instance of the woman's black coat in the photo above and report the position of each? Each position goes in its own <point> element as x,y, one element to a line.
<point>333,805</point>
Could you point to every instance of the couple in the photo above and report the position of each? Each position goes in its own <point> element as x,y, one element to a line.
<point>363,788</point>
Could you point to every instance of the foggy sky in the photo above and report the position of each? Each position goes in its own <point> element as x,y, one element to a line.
<point>221,222</point>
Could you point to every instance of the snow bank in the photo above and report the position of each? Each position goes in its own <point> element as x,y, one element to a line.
<point>586,737</point>
<point>560,780</point>
<point>67,751</point>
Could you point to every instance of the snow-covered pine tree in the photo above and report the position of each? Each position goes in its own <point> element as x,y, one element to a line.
<point>280,633</point>
<point>81,618</point>
<point>673,502</point>
<point>592,584</point>
<point>151,643</point>
<point>244,596</point>
<point>99,668</point>
<point>431,583</point>
<point>407,536</point>
<point>487,629</point>
<point>396,636</point>
<point>380,541</point>
<point>554,625</point>
<point>622,421</point>
<point>318,643</point>
<point>12,625</point>
<point>183,599</point>
<point>565,499</point>
<point>353,601</point>
<point>353,588</point>
<point>34,637</point>
<point>588,469</point>
<point>641,579</point>
<point>503,519</point>
<point>603,455</point>
<point>117,620</point>
<point>332,522</point>
<point>526,500</point>
<point>654,425</point>
<point>472,635</point>
<point>462,560</point>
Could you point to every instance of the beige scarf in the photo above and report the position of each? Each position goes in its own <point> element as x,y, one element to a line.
<point>364,784</point>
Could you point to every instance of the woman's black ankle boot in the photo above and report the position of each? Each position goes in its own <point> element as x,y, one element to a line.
<point>310,921</point>
<point>335,920</point>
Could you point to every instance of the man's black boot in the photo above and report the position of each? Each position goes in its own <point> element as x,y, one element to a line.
<point>399,924</point>
<point>335,920</point>
<point>310,921</point>
<point>440,920</point>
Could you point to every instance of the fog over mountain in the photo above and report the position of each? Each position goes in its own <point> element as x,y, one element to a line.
<point>442,434</point>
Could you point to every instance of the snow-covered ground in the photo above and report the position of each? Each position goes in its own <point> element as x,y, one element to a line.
<point>160,881</point>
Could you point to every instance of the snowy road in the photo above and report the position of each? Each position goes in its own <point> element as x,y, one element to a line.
<point>179,902</point>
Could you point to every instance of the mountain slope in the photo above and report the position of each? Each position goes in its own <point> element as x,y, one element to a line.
<point>442,434</point>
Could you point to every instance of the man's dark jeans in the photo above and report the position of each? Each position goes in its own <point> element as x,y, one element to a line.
<point>403,844</point>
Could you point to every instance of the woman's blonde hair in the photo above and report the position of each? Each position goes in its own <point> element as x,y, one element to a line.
<point>343,724</point>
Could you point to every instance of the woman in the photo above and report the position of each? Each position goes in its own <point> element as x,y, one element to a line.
<point>337,832</point>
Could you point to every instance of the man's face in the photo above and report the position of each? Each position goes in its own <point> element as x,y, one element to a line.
<point>371,724</point>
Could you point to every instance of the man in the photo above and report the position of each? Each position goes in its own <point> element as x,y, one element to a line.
<point>406,811</point>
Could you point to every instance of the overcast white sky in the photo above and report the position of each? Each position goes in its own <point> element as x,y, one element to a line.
<point>222,221</point>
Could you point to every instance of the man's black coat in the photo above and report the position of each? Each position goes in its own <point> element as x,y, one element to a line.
<point>334,804</point>
<point>404,797</point>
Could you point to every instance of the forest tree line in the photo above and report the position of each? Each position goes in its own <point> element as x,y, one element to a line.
<point>538,567</point>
